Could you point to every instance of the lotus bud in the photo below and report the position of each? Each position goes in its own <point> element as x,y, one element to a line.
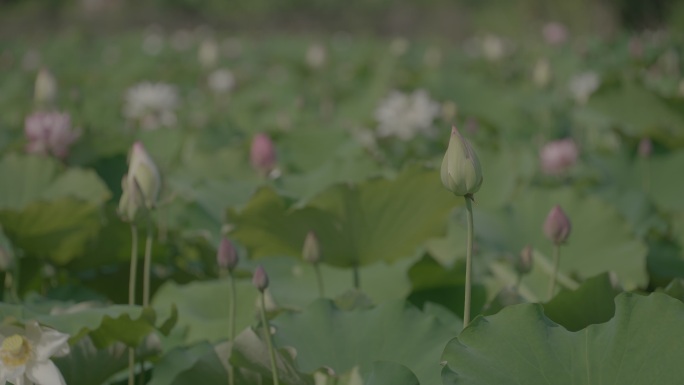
<point>45,90</point>
<point>555,33</point>
<point>524,262</point>
<point>557,226</point>
<point>260,279</point>
<point>208,54</point>
<point>461,172</point>
<point>558,156</point>
<point>311,251</point>
<point>645,148</point>
<point>263,154</point>
<point>226,256</point>
<point>50,133</point>
<point>141,185</point>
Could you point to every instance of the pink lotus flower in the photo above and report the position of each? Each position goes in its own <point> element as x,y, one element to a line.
<point>555,33</point>
<point>558,156</point>
<point>263,154</point>
<point>49,133</point>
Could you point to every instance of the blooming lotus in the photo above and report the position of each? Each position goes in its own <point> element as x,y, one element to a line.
<point>405,115</point>
<point>49,133</point>
<point>25,355</point>
<point>152,105</point>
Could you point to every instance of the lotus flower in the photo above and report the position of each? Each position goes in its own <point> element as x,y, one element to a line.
<point>50,133</point>
<point>152,105</point>
<point>406,115</point>
<point>263,154</point>
<point>461,172</point>
<point>558,156</point>
<point>557,226</point>
<point>226,256</point>
<point>555,33</point>
<point>260,279</point>
<point>141,185</point>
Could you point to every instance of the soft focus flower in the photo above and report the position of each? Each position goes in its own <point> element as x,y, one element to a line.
<point>221,81</point>
<point>645,147</point>
<point>226,256</point>
<point>316,56</point>
<point>263,154</point>
<point>260,278</point>
<point>208,53</point>
<point>523,265</point>
<point>583,85</point>
<point>25,355</point>
<point>141,185</point>
<point>152,104</point>
<point>555,33</point>
<point>49,133</point>
<point>558,156</point>
<point>45,90</point>
<point>493,48</point>
<point>311,251</point>
<point>557,225</point>
<point>405,115</point>
<point>181,40</point>
<point>461,172</point>
<point>399,46</point>
<point>542,73</point>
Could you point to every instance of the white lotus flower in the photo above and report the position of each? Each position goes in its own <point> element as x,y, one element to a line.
<point>50,133</point>
<point>152,104</point>
<point>583,85</point>
<point>405,115</point>
<point>25,355</point>
<point>221,81</point>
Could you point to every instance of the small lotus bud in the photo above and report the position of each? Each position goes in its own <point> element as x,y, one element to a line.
<point>461,172</point>
<point>645,148</point>
<point>311,251</point>
<point>524,262</point>
<point>226,256</point>
<point>260,279</point>
<point>557,226</point>
<point>263,154</point>
<point>45,90</point>
<point>558,156</point>
<point>141,185</point>
<point>208,54</point>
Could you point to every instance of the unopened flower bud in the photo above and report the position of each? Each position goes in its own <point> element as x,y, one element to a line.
<point>557,226</point>
<point>45,90</point>
<point>524,262</point>
<point>558,156</point>
<point>311,251</point>
<point>260,279</point>
<point>645,148</point>
<point>226,256</point>
<point>461,172</point>
<point>263,154</point>
<point>141,185</point>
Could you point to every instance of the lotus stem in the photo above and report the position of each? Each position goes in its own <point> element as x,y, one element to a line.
<point>554,275</point>
<point>357,276</point>
<point>231,327</point>
<point>147,263</point>
<point>319,278</point>
<point>469,261</point>
<point>131,296</point>
<point>267,336</point>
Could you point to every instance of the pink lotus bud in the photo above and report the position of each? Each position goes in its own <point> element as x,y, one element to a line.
<point>49,133</point>
<point>645,148</point>
<point>260,279</point>
<point>263,154</point>
<point>226,256</point>
<point>524,263</point>
<point>557,226</point>
<point>555,33</point>
<point>558,156</point>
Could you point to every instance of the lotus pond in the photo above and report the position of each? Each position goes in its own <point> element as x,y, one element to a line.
<point>295,185</point>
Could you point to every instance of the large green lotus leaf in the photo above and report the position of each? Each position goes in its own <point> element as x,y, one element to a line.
<point>654,117</point>
<point>58,230</point>
<point>30,178</point>
<point>306,149</point>
<point>378,220</point>
<point>666,189</point>
<point>324,335</point>
<point>591,303</point>
<point>199,363</point>
<point>104,325</point>
<point>387,372</point>
<point>203,307</point>
<point>600,240</point>
<point>520,345</point>
<point>504,169</point>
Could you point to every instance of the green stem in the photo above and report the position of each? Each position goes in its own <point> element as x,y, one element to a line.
<point>554,275</point>
<point>147,264</point>
<point>357,276</point>
<point>469,261</point>
<point>231,327</point>
<point>267,336</point>
<point>319,278</point>
<point>131,296</point>
<point>646,171</point>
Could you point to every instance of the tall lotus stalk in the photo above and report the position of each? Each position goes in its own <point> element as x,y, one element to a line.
<point>461,174</point>
<point>557,228</point>
<point>260,281</point>
<point>227,259</point>
<point>140,187</point>
<point>311,253</point>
